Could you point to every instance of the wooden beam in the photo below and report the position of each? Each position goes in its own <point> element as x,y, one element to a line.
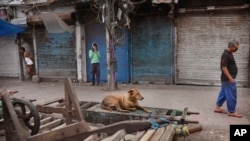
<point>59,100</point>
<point>138,136</point>
<point>46,120</point>
<point>9,109</point>
<point>71,101</point>
<point>59,134</point>
<point>37,20</point>
<point>169,133</point>
<point>118,136</point>
<point>148,135</point>
<point>130,126</point>
<point>158,134</point>
<point>50,109</point>
<point>51,124</point>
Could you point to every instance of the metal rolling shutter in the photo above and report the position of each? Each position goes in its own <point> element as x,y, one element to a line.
<point>56,54</point>
<point>9,57</point>
<point>202,38</point>
<point>152,50</point>
<point>96,33</point>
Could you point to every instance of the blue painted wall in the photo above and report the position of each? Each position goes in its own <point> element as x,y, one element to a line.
<point>95,32</point>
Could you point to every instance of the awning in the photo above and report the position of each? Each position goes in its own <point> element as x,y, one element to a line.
<point>7,28</point>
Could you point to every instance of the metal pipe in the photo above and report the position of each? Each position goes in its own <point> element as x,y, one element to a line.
<point>84,51</point>
<point>20,59</point>
<point>35,52</point>
<point>108,60</point>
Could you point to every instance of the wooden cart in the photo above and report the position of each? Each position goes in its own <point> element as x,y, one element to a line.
<point>86,121</point>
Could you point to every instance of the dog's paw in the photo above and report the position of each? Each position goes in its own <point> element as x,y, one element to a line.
<point>149,111</point>
<point>132,109</point>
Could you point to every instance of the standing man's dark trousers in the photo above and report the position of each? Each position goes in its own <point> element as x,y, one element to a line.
<point>95,73</point>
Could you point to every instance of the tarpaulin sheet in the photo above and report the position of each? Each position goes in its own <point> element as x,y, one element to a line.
<point>54,24</point>
<point>10,29</point>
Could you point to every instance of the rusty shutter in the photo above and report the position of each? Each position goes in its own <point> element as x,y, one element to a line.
<point>152,50</point>
<point>202,38</point>
<point>9,57</point>
<point>56,54</point>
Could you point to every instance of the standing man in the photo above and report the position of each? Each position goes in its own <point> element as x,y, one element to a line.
<point>229,72</point>
<point>94,56</point>
<point>28,61</point>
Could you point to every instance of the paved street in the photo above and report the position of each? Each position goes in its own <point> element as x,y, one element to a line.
<point>196,98</point>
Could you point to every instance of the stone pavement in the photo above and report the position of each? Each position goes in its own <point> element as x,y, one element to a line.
<point>197,98</point>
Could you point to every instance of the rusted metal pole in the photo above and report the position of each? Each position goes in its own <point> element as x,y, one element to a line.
<point>20,59</point>
<point>109,81</point>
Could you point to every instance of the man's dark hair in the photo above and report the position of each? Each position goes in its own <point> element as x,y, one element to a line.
<point>233,43</point>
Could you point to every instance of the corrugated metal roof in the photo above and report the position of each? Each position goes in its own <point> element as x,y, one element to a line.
<point>164,1</point>
<point>22,2</point>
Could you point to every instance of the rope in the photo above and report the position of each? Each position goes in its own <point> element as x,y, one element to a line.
<point>181,132</point>
<point>155,125</point>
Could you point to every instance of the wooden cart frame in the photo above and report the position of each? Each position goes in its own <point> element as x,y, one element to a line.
<point>78,129</point>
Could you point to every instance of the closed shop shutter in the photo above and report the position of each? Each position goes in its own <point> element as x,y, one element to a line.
<point>152,50</point>
<point>96,32</point>
<point>9,65</point>
<point>56,54</point>
<point>202,38</point>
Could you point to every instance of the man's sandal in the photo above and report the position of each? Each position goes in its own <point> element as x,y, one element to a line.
<point>235,115</point>
<point>220,111</point>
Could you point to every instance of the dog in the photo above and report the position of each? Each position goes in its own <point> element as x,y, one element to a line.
<point>123,102</point>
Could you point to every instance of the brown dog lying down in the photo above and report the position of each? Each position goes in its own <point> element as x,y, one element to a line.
<point>123,103</point>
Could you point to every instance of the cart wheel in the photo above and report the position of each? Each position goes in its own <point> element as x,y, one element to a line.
<point>27,112</point>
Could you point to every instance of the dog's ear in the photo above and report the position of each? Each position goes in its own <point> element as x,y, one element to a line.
<point>131,92</point>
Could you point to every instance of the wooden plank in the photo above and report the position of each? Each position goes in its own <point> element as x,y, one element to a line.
<point>86,105</point>
<point>68,105</point>
<point>138,135</point>
<point>38,19</point>
<point>46,120</point>
<point>147,136</point>
<point>60,104</point>
<point>59,100</point>
<point>50,109</point>
<point>116,137</point>
<point>184,114</point>
<point>169,133</point>
<point>59,127</point>
<point>9,109</point>
<point>158,134</point>
<point>51,125</point>
<point>71,99</point>
<point>75,131</point>
<point>128,137</point>
<point>60,134</point>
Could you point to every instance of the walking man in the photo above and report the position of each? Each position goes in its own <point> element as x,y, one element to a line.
<point>94,56</point>
<point>229,72</point>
